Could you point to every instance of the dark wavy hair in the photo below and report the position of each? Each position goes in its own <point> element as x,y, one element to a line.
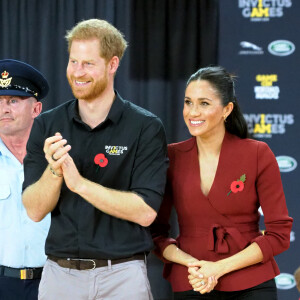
<point>223,82</point>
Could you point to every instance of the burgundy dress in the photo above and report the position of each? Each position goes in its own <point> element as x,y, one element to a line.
<point>223,223</point>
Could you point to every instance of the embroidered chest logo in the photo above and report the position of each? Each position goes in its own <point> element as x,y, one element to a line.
<point>115,150</point>
<point>4,81</point>
<point>238,185</point>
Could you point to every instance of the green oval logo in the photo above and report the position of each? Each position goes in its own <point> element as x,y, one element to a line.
<point>281,48</point>
<point>286,163</point>
<point>285,281</point>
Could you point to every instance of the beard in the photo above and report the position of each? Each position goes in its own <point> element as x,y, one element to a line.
<point>90,93</point>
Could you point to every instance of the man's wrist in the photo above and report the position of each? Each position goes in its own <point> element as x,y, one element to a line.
<point>54,173</point>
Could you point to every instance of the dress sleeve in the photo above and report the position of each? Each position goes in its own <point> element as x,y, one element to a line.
<point>160,228</point>
<point>278,224</point>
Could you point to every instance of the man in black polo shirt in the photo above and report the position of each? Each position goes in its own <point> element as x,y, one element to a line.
<point>98,163</point>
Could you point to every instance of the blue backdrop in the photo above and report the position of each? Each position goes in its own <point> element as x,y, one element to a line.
<point>258,42</point>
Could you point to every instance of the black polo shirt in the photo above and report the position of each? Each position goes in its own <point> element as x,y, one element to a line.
<point>134,144</point>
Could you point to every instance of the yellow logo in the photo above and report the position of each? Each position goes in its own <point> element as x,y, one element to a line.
<point>262,127</point>
<point>266,80</point>
<point>113,150</point>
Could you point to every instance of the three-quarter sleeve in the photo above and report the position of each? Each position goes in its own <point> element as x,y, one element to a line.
<point>278,224</point>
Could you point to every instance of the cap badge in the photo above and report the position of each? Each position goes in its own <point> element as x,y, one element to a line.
<point>4,81</point>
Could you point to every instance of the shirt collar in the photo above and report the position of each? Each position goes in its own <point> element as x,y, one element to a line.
<point>3,149</point>
<point>114,114</point>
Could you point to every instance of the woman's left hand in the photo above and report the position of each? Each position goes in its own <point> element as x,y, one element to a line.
<point>207,269</point>
<point>201,284</point>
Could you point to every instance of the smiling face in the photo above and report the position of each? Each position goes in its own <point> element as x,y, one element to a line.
<point>203,111</point>
<point>87,71</point>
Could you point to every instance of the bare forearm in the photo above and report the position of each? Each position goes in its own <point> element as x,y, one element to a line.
<point>247,257</point>
<point>41,197</point>
<point>174,254</point>
<point>124,205</point>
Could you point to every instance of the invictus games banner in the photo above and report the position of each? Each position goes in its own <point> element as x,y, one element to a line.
<point>260,42</point>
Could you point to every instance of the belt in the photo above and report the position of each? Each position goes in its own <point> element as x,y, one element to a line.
<point>25,273</point>
<point>217,235</point>
<point>91,264</point>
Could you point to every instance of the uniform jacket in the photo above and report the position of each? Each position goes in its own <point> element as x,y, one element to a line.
<point>224,222</point>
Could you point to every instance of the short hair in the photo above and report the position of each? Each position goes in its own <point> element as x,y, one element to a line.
<point>112,42</point>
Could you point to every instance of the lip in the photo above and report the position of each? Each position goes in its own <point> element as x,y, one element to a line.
<point>6,119</point>
<point>196,123</point>
<point>81,83</point>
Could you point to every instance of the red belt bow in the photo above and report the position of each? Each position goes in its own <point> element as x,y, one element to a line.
<point>217,238</point>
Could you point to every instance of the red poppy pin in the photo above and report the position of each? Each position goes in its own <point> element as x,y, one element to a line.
<point>238,185</point>
<point>100,160</point>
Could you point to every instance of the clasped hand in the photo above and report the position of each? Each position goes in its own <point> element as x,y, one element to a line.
<point>204,275</point>
<point>56,152</point>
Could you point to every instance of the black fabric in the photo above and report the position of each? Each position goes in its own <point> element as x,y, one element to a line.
<point>17,289</point>
<point>132,142</point>
<point>264,291</point>
<point>168,41</point>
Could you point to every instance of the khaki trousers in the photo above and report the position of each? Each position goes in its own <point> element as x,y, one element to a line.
<point>124,281</point>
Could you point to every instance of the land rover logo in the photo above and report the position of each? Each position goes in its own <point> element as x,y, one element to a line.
<point>281,48</point>
<point>286,163</point>
<point>285,281</point>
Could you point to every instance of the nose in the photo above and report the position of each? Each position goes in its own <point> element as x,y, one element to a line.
<point>4,106</point>
<point>78,70</point>
<point>195,110</point>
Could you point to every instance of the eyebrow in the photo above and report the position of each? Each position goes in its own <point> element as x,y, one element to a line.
<point>199,98</point>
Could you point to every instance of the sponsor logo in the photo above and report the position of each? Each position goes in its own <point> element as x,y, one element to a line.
<point>266,90</point>
<point>285,281</point>
<point>115,150</point>
<point>281,48</point>
<point>286,163</point>
<point>250,49</point>
<point>292,236</point>
<point>265,125</point>
<point>263,10</point>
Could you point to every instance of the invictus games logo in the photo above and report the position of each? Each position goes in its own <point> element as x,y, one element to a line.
<point>286,163</point>
<point>115,150</point>
<point>265,125</point>
<point>266,90</point>
<point>263,10</point>
<point>285,281</point>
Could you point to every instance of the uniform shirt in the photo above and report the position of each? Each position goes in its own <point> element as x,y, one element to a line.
<point>131,155</point>
<point>22,241</point>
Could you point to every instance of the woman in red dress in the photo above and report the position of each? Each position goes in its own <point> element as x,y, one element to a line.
<point>217,180</point>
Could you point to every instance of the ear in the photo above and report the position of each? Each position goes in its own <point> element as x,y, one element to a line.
<point>228,109</point>
<point>113,65</point>
<point>37,108</point>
